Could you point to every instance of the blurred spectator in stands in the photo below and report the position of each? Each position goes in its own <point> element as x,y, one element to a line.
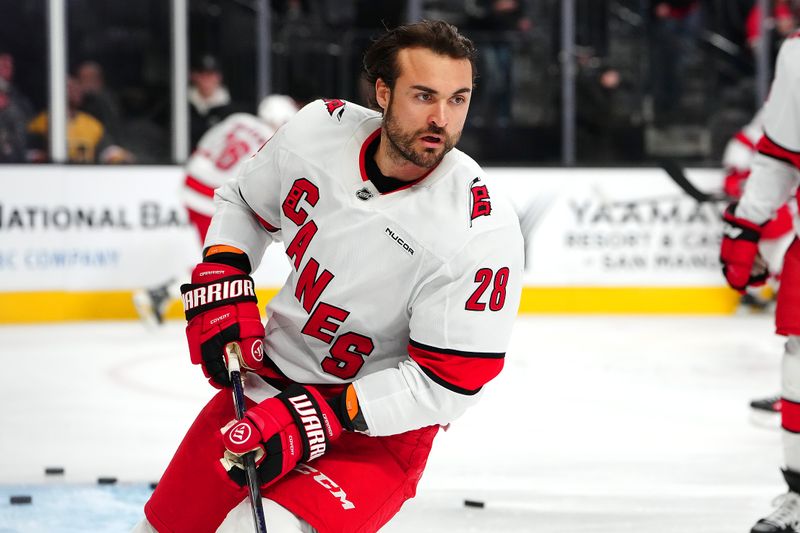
<point>209,99</point>
<point>674,25</point>
<point>12,128</point>
<point>97,100</point>
<point>143,133</point>
<point>784,23</point>
<point>11,91</point>
<point>609,129</point>
<point>87,140</point>
<point>495,25</point>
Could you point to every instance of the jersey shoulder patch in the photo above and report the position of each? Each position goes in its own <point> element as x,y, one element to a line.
<point>480,201</point>
<point>335,107</point>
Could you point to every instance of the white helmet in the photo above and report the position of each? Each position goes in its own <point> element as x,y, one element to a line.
<point>276,110</point>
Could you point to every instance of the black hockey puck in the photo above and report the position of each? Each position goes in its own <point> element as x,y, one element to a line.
<point>54,470</point>
<point>20,499</point>
<point>474,503</point>
<point>153,485</point>
<point>106,480</point>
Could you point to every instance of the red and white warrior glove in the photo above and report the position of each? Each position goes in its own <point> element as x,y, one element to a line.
<point>296,425</point>
<point>741,264</point>
<point>221,307</point>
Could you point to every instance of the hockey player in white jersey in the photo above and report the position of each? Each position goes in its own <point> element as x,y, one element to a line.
<point>772,182</point>
<point>405,282</point>
<point>776,235</point>
<point>220,155</point>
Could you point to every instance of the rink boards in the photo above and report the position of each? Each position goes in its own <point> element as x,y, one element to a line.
<point>75,241</point>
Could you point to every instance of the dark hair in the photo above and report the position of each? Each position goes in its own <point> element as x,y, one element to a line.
<point>380,59</point>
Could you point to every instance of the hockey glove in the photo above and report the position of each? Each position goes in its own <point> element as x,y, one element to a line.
<point>296,425</point>
<point>739,251</point>
<point>221,307</point>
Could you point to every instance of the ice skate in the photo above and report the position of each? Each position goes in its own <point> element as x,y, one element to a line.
<point>784,519</point>
<point>770,404</point>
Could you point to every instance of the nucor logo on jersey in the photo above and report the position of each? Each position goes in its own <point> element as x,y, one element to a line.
<point>216,292</point>
<point>327,483</point>
<point>399,240</point>
<point>317,440</point>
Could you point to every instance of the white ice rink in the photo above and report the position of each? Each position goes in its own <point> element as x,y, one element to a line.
<point>597,424</point>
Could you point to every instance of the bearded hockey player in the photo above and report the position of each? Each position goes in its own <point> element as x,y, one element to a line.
<point>405,282</point>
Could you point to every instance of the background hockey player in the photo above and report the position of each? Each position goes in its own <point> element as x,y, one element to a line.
<point>405,281</point>
<point>219,156</point>
<point>774,178</point>
<point>776,235</point>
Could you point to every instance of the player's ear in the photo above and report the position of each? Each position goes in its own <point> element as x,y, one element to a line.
<point>382,93</point>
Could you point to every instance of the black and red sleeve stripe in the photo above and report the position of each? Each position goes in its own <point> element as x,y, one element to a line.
<point>770,148</point>
<point>459,371</point>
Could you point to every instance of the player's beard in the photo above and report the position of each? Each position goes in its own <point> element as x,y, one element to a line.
<point>402,142</point>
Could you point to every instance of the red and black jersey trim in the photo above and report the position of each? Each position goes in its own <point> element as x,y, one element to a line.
<point>456,370</point>
<point>770,148</point>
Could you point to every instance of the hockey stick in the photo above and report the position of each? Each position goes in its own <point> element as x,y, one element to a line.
<point>675,172</point>
<point>232,351</point>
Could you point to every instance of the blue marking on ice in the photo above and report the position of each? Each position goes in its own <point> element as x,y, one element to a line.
<point>72,508</point>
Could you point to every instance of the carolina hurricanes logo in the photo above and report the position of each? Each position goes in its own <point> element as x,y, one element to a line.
<point>257,350</point>
<point>479,198</point>
<point>332,104</point>
<point>240,433</point>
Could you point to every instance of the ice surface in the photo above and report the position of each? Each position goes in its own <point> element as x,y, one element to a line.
<point>597,424</point>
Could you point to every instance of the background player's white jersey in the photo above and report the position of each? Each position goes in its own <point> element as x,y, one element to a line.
<point>411,295</point>
<point>219,156</point>
<point>776,168</point>
<point>741,148</point>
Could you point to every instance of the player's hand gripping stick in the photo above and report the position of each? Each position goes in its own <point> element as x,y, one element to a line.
<point>297,425</point>
<point>232,353</point>
<point>221,308</point>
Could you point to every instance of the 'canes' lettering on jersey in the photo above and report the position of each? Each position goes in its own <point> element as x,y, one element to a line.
<point>404,294</point>
<point>347,353</point>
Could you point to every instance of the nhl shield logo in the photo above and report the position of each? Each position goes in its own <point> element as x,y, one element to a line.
<point>363,194</point>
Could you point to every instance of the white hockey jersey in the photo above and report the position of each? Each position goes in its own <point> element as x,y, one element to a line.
<point>775,171</point>
<point>219,156</point>
<point>741,148</point>
<point>410,295</point>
